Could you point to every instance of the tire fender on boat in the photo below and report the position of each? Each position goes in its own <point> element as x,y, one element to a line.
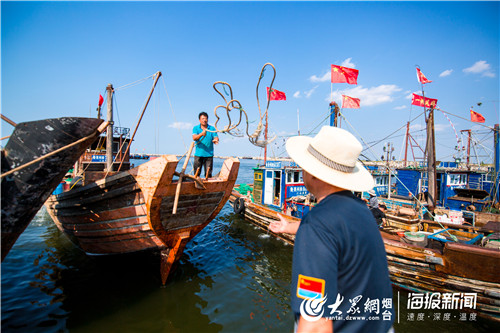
<point>239,206</point>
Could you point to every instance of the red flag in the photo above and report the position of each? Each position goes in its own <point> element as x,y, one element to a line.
<point>423,101</point>
<point>421,77</point>
<point>476,117</point>
<point>350,102</point>
<point>101,100</point>
<point>344,75</point>
<point>276,95</point>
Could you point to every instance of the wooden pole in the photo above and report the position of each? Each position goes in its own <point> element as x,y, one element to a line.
<point>9,121</point>
<point>179,182</point>
<point>406,142</point>
<point>109,134</point>
<point>158,74</point>
<point>431,162</point>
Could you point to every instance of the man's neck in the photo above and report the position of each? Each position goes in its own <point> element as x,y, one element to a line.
<point>325,191</point>
<point>204,126</point>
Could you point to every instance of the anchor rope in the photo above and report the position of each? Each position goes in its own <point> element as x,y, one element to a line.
<point>232,128</point>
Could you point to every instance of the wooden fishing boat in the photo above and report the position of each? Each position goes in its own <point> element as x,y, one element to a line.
<point>132,210</point>
<point>34,161</point>
<point>112,209</point>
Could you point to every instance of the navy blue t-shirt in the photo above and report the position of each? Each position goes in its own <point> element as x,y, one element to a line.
<point>339,259</point>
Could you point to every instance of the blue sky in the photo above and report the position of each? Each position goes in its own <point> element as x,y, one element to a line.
<point>56,57</point>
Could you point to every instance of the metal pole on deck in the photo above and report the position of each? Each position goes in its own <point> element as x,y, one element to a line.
<point>109,132</point>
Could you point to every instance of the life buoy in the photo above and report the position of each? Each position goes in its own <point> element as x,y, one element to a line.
<point>239,205</point>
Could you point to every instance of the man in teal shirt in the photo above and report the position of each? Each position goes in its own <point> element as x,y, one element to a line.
<point>205,136</point>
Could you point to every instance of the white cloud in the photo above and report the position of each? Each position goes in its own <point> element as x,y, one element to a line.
<point>480,67</point>
<point>323,78</point>
<point>369,96</point>
<point>402,107</point>
<point>297,94</point>
<point>446,73</point>
<point>181,125</point>
<point>310,92</point>
<point>348,63</point>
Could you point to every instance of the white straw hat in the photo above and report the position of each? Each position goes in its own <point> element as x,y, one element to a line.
<point>331,156</point>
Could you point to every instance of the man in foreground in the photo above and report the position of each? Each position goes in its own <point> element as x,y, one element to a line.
<point>205,136</point>
<point>339,272</point>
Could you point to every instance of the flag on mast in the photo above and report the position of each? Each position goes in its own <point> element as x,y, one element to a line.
<point>423,101</point>
<point>275,95</point>
<point>101,100</point>
<point>350,102</point>
<point>476,117</point>
<point>421,77</point>
<point>342,74</point>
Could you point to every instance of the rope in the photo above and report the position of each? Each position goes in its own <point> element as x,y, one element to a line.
<point>396,176</point>
<point>488,127</point>
<point>232,104</point>
<point>130,85</point>
<point>173,113</point>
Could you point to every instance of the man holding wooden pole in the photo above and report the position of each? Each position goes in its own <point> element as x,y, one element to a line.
<point>205,136</point>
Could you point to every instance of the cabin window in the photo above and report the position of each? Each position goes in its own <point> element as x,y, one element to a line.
<point>457,179</point>
<point>257,176</point>
<point>294,177</point>
<point>381,181</point>
<point>486,177</point>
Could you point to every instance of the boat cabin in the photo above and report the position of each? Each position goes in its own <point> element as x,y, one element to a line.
<point>457,189</point>
<point>381,178</point>
<point>279,185</point>
<point>93,161</point>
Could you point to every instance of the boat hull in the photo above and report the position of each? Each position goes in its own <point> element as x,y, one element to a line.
<point>25,191</point>
<point>132,211</point>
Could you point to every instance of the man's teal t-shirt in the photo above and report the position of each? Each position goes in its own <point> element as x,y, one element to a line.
<point>205,145</point>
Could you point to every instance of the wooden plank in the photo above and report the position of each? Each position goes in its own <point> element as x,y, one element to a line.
<point>118,223</point>
<point>109,232</point>
<point>117,238</point>
<point>131,199</point>
<point>472,261</point>
<point>443,279</point>
<point>105,216</point>
<point>86,199</point>
<point>127,246</point>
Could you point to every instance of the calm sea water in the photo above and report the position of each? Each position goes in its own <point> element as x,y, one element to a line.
<point>232,277</point>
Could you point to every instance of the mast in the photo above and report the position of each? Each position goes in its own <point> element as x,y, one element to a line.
<point>468,147</point>
<point>406,141</point>
<point>109,131</point>
<point>334,112</point>
<point>431,162</point>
